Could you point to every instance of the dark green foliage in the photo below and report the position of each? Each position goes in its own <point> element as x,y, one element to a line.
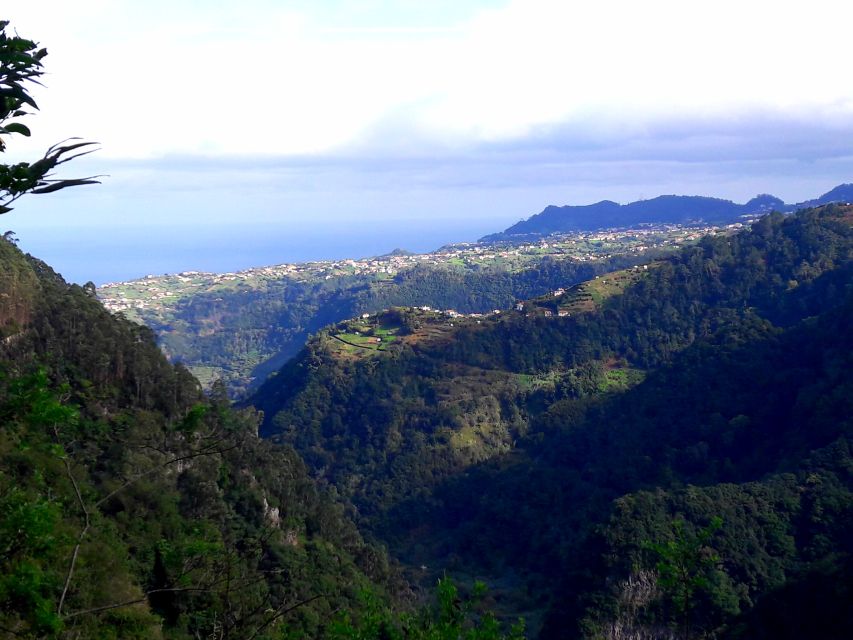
<point>721,282</point>
<point>453,617</point>
<point>744,413</point>
<point>258,330</point>
<point>131,506</point>
<point>814,605</point>
<point>28,582</point>
<point>685,564</point>
<point>20,66</point>
<point>362,419</point>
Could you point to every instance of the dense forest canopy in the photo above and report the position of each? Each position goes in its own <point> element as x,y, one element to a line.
<point>133,506</point>
<point>242,334</point>
<point>671,396</point>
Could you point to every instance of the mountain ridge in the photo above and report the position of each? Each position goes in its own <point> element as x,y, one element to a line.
<point>672,209</point>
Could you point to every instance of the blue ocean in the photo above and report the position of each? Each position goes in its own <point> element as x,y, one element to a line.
<point>115,254</point>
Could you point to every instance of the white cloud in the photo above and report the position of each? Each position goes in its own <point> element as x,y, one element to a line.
<point>539,61</point>
<point>148,79</point>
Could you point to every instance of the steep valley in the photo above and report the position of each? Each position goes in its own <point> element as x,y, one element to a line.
<point>551,447</point>
<point>607,422</point>
<point>575,450</point>
<point>241,327</point>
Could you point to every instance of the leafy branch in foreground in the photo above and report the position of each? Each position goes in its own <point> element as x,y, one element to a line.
<point>20,65</point>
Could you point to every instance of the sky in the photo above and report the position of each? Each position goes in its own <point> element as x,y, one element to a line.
<point>236,134</point>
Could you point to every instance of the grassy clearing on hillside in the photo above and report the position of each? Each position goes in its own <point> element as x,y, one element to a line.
<point>621,379</point>
<point>365,336</point>
<point>589,295</point>
<point>206,375</point>
<point>530,382</point>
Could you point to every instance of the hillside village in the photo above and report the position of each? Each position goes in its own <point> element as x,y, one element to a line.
<point>372,333</point>
<point>154,292</point>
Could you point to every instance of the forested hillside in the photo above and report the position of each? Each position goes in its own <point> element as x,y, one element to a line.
<point>243,335</point>
<point>692,416</point>
<point>642,448</point>
<point>131,506</point>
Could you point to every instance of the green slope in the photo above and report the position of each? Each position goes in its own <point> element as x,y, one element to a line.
<point>499,446</point>
<point>131,506</point>
<point>241,327</point>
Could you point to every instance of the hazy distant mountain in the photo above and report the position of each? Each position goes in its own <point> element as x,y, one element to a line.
<point>841,193</point>
<point>663,209</point>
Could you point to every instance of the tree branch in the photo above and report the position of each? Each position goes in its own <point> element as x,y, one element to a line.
<point>128,603</point>
<point>197,454</point>
<point>281,611</point>
<point>86,521</point>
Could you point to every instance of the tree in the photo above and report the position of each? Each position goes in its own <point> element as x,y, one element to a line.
<point>683,565</point>
<point>452,617</point>
<point>21,66</point>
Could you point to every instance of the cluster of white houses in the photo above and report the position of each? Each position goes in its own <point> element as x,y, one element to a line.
<point>157,291</point>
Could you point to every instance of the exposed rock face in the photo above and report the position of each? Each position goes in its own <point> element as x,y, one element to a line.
<point>272,514</point>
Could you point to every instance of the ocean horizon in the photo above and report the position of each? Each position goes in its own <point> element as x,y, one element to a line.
<point>127,253</point>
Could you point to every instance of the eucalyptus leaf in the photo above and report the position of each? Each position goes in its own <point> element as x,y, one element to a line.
<point>62,184</point>
<point>17,127</point>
